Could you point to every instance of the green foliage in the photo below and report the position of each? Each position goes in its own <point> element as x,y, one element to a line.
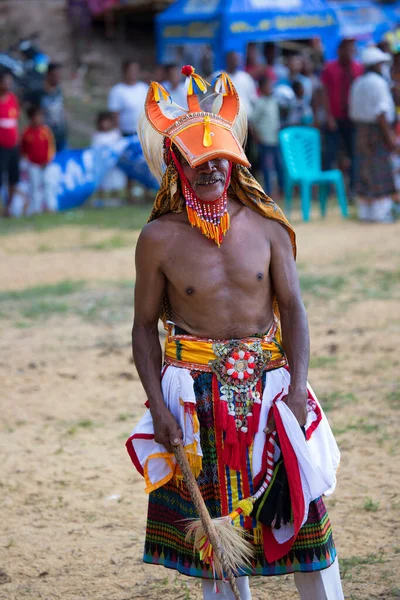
<point>322,286</point>
<point>334,400</point>
<point>370,506</point>
<point>347,564</point>
<point>62,288</point>
<point>323,362</point>
<point>125,217</point>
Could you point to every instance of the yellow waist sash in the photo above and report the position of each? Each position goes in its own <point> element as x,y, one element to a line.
<point>194,353</point>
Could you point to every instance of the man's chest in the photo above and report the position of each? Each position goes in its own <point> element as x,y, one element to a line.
<point>241,261</point>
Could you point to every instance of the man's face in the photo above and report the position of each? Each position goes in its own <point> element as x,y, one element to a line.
<point>208,180</point>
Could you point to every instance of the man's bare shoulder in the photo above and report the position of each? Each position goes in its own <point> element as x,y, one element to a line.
<point>157,233</point>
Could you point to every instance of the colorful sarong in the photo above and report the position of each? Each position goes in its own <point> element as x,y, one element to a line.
<point>223,487</point>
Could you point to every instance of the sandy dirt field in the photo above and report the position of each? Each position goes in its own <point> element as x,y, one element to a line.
<point>72,507</point>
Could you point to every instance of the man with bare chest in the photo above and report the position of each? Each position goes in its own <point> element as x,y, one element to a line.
<point>217,263</point>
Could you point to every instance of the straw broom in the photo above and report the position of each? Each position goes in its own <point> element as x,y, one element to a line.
<point>218,541</point>
<point>221,546</point>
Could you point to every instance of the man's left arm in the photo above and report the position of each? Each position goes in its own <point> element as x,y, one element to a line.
<point>295,334</point>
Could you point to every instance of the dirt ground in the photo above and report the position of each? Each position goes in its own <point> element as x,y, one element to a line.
<point>72,506</point>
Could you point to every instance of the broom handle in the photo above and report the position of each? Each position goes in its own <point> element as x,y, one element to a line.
<point>204,515</point>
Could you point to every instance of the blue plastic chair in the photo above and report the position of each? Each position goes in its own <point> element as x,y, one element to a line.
<point>301,152</point>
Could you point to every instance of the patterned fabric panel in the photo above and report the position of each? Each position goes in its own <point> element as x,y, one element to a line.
<point>221,489</point>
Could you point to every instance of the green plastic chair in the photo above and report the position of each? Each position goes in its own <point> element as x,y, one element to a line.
<point>301,152</point>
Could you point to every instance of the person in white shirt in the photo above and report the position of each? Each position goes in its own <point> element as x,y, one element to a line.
<point>126,102</point>
<point>107,134</point>
<point>174,86</point>
<point>244,83</point>
<point>373,111</point>
<point>266,125</point>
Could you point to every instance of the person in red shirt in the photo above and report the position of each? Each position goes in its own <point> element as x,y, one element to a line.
<point>9,151</point>
<point>38,147</point>
<point>336,78</point>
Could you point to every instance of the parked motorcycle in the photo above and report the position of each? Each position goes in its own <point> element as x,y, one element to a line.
<point>26,62</point>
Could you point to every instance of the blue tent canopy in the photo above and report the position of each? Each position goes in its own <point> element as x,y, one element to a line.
<point>362,20</point>
<point>231,24</point>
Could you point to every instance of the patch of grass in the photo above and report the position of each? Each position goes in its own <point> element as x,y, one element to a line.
<point>123,284</point>
<point>360,425</point>
<point>335,399</point>
<point>370,506</point>
<point>44,248</point>
<point>62,288</point>
<point>124,217</point>
<point>322,286</point>
<point>22,324</point>
<point>125,417</point>
<point>323,362</point>
<point>92,308</point>
<point>82,424</point>
<point>394,399</point>
<point>395,592</point>
<point>347,564</point>
<point>44,309</point>
<point>112,243</point>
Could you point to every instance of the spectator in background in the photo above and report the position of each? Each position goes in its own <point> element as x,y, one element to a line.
<point>51,100</point>
<point>373,112</point>
<point>126,101</point>
<point>300,112</point>
<point>243,82</point>
<point>108,135</point>
<point>256,65</point>
<point>293,73</point>
<point>174,85</point>
<point>337,77</point>
<point>266,124</point>
<point>9,151</point>
<point>38,147</point>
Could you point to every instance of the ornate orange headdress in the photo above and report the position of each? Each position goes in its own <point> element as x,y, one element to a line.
<point>200,134</point>
<point>206,130</point>
<point>215,127</point>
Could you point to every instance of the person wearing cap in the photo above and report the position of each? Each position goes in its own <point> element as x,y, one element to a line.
<point>336,79</point>
<point>216,262</point>
<point>372,110</point>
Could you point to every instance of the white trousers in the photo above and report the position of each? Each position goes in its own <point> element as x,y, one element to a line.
<point>320,585</point>
<point>42,194</point>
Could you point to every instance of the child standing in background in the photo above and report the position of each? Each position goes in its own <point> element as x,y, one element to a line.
<point>38,147</point>
<point>107,135</point>
<point>265,124</point>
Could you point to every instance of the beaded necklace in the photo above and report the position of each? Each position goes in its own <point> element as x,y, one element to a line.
<point>211,218</point>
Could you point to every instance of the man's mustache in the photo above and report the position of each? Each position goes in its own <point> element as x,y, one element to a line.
<point>205,179</point>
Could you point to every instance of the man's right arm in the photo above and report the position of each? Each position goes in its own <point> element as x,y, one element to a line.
<point>149,291</point>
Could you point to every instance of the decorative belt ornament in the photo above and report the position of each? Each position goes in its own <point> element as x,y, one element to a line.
<point>238,368</point>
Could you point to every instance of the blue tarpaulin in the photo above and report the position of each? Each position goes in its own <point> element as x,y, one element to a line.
<point>231,24</point>
<point>364,21</point>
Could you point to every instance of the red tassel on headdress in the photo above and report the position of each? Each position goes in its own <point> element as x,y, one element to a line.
<point>187,70</point>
